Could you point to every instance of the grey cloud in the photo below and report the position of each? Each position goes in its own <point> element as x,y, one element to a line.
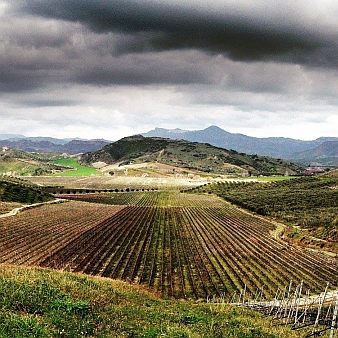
<point>32,52</point>
<point>78,64</point>
<point>164,68</point>
<point>57,52</point>
<point>133,42</point>
<point>48,103</point>
<point>255,34</point>
<point>37,33</point>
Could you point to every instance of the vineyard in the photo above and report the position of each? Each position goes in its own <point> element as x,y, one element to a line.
<point>112,183</point>
<point>177,244</point>
<point>309,205</point>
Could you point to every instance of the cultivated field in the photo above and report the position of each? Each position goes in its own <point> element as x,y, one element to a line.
<point>179,245</point>
<point>309,205</point>
<point>117,182</point>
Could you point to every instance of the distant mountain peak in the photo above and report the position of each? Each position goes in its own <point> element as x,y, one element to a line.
<point>213,127</point>
<point>278,147</point>
<point>11,136</point>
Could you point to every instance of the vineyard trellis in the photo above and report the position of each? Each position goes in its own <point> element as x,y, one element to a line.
<point>315,314</point>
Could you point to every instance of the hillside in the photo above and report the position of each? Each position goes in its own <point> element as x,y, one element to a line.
<point>279,147</point>
<point>16,190</point>
<point>17,162</point>
<point>192,155</point>
<point>326,154</point>
<point>332,173</point>
<point>43,303</point>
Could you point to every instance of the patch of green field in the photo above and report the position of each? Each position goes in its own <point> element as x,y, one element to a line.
<point>44,303</point>
<point>274,178</point>
<point>78,169</point>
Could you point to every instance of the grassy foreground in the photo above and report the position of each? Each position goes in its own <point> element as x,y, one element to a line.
<point>38,302</point>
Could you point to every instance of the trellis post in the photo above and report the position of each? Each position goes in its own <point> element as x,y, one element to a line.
<point>320,309</point>
<point>334,319</point>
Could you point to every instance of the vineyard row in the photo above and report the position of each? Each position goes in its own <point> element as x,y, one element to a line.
<point>181,251</point>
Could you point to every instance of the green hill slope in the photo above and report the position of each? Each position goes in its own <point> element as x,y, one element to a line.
<point>199,156</point>
<point>325,153</point>
<point>16,190</point>
<point>18,162</point>
<point>45,303</point>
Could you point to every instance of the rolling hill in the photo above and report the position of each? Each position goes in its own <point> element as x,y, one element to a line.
<point>17,162</point>
<point>191,155</point>
<point>294,150</point>
<point>326,154</point>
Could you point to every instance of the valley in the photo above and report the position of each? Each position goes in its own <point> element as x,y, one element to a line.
<point>172,224</point>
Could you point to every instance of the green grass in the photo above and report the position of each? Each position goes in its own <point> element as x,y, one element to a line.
<point>274,178</point>
<point>26,164</point>
<point>44,303</point>
<point>80,170</point>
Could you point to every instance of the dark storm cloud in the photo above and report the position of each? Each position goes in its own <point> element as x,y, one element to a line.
<point>38,52</point>
<point>135,69</point>
<point>164,25</point>
<point>75,67</point>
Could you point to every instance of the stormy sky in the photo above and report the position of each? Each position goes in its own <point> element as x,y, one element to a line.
<point>113,68</point>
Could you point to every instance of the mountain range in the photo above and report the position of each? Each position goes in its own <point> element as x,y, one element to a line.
<point>323,150</point>
<point>51,145</point>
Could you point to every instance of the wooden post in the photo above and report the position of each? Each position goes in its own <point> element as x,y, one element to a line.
<point>281,304</point>
<point>320,309</point>
<point>244,294</point>
<point>298,300</point>
<point>293,304</point>
<point>275,301</point>
<point>334,319</point>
